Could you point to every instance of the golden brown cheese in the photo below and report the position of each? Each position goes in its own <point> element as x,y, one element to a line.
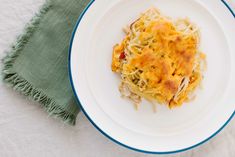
<point>158,59</point>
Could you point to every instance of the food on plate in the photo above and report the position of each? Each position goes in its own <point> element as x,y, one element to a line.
<point>159,60</point>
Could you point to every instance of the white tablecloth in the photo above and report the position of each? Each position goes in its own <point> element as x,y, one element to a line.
<point>27,131</point>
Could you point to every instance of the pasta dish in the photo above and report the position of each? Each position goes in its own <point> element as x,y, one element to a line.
<point>159,60</point>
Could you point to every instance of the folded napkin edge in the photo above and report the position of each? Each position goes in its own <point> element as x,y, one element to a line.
<point>20,84</point>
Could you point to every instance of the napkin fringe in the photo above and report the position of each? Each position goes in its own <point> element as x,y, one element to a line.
<point>23,86</point>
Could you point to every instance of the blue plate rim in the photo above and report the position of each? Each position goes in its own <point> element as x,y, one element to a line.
<point>105,134</point>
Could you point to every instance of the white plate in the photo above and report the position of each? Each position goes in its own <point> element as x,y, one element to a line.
<point>167,131</point>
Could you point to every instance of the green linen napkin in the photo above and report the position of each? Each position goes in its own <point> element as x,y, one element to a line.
<point>37,64</point>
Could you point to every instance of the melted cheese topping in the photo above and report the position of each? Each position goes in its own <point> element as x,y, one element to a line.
<point>159,60</point>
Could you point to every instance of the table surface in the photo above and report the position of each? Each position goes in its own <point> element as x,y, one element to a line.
<point>26,130</point>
